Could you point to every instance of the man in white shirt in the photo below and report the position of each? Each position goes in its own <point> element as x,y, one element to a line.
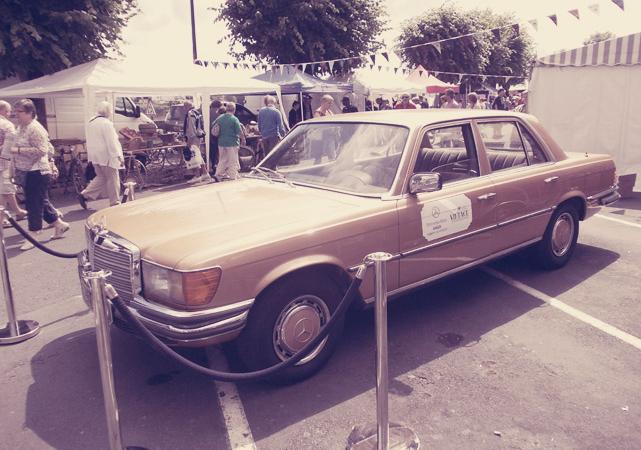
<point>105,153</point>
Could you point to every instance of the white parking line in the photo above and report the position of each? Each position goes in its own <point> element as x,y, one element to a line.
<point>614,219</point>
<point>577,314</point>
<point>239,434</point>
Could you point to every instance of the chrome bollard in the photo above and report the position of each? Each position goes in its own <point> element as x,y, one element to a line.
<point>380,437</point>
<point>16,330</point>
<point>102,314</point>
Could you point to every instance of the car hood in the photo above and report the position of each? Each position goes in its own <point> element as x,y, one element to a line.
<point>211,221</point>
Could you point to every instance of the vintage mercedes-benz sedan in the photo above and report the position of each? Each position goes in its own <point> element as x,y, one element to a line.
<point>264,260</point>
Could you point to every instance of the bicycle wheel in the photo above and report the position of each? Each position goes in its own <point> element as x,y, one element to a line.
<point>137,173</point>
<point>77,175</point>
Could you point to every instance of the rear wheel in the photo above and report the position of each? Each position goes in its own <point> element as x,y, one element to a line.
<point>559,240</point>
<point>285,317</point>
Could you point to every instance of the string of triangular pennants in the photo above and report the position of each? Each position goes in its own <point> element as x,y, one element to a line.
<point>331,65</point>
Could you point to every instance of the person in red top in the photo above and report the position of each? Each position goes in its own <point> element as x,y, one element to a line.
<point>405,103</point>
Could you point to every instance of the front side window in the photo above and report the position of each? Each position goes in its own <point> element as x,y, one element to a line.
<point>449,151</point>
<point>119,107</point>
<point>503,143</point>
<point>362,158</point>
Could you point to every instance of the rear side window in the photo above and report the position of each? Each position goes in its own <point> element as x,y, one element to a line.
<point>532,148</point>
<point>505,149</point>
<point>449,151</point>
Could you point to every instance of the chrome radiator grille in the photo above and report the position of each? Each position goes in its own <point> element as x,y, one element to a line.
<point>122,260</point>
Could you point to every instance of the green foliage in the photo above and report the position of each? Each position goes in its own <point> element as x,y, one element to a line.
<point>598,37</point>
<point>43,36</point>
<point>510,53</point>
<point>292,31</point>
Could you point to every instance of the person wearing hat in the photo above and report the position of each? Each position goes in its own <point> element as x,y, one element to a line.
<point>405,102</point>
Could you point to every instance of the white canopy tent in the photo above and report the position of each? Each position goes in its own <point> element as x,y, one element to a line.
<point>374,83</point>
<point>106,79</point>
<point>589,99</point>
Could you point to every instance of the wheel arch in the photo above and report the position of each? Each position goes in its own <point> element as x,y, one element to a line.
<point>325,266</point>
<point>577,200</point>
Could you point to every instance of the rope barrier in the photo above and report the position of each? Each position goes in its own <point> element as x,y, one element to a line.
<point>35,242</point>
<point>160,346</point>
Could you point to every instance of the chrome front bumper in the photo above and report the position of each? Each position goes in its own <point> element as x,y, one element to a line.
<point>176,326</point>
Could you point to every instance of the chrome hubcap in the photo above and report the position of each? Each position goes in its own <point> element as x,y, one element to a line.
<point>562,234</point>
<point>297,324</point>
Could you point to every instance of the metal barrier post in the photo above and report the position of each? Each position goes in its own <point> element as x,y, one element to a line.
<point>380,437</point>
<point>16,330</point>
<point>102,312</point>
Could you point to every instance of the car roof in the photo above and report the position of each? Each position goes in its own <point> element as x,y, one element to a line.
<point>417,117</point>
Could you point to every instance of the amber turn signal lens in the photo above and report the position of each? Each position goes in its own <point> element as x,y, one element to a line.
<point>199,288</point>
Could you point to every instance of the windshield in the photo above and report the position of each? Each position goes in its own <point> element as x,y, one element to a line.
<point>354,157</point>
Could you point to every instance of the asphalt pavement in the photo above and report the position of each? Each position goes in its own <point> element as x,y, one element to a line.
<point>502,357</point>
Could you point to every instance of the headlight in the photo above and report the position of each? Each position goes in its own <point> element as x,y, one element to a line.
<point>186,289</point>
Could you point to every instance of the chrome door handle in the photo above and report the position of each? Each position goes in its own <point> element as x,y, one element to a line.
<point>487,196</point>
<point>551,179</point>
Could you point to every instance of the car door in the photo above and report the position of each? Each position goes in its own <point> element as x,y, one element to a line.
<point>525,181</point>
<point>452,228</point>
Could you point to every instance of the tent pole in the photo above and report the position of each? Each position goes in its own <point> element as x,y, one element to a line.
<point>205,109</point>
<point>302,112</point>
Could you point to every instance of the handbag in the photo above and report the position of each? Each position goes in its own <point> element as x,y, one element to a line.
<point>19,177</point>
<point>215,129</point>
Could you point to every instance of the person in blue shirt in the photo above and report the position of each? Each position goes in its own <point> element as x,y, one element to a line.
<point>270,124</point>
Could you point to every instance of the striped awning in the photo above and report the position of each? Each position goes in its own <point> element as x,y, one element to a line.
<point>624,50</point>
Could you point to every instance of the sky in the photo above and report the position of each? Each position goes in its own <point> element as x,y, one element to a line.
<point>162,29</point>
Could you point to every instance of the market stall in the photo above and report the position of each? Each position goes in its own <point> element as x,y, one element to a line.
<point>104,79</point>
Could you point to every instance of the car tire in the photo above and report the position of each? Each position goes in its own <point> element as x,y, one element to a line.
<point>559,240</point>
<point>272,332</point>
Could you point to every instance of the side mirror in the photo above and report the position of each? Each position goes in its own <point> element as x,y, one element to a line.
<point>425,182</point>
<point>137,111</point>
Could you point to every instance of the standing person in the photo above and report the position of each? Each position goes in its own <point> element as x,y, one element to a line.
<point>473,101</point>
<point>450,101</point>
<point>194,132</point>
<point>105,154</point>
<point>324,109</point>
<point>214,109</point>
<point>270,124</point>
<point>416,101</point>
<point>228,144</point>
<point>32,153</point>
<point>424,103</point>
<point>308,113</point>
<point>7,188</point>
<point>294,115</point>
<point>405,102</point>
<point>500,102</point>
<point>347,106</point>
<point>522,106</point>
<point>368,105</point>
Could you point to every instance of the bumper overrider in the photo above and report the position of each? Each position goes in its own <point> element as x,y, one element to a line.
<point>177,327</point>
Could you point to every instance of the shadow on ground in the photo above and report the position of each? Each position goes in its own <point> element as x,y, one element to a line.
<point>161,405</point>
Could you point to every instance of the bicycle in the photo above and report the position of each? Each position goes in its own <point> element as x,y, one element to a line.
<point>71,167</point>
<point>133,170</point>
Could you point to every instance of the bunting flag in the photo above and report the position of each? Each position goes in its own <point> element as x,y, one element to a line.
<point>437,46</point>
<point>395,70</point>
<point>483,78</point>
<point>575,13</point>
<point>379,68</point>
<point>554,19</point>
<point>535,24</point>
<point>497,33</point>
<point>386,56</point>
<point>215,64</point>
<point>460,78</point>
<point>304,67</point>
<point>619,3</point>
<point>373,58</point>
<point>420,73</point>
<point>516,28</point>
<point>198,62</point>
<point>594,8</point>
<point>225,65</point>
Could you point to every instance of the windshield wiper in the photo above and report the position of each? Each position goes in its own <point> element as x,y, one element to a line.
<point>274,172</point>
<point>260,170</point>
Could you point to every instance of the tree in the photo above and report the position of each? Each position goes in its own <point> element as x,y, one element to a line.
<point>294,31</point>
<point>40,37</point>
<point>598,37</point>
<point>504,51</point>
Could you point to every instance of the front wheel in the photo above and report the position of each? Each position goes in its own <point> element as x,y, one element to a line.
<point>285,317</point>
<point>559,240</point>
